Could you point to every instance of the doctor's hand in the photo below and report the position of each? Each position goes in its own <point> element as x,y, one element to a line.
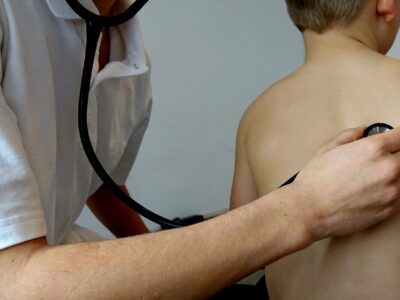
<point>352,183</point>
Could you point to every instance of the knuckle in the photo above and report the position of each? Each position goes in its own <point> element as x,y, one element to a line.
<point>377,147</point>
<point>391,171</point>
<point>391,210</point>
<point>386,213</point>
<point>392,195</point>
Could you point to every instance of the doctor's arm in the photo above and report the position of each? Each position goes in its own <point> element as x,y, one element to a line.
<point>197,261</point>
<point>114,214</point>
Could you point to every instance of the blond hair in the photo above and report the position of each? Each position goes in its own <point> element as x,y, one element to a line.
<point>318,15</point>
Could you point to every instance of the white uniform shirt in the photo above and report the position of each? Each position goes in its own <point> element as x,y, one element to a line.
<point>45,177</point>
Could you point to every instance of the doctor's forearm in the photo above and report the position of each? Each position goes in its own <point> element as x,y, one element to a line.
<point>114,214</point>
<point>187,263</point>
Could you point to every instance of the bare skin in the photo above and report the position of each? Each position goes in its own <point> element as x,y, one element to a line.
<point>105,6</point>
<point>115,215</point>
<point>344,82</point>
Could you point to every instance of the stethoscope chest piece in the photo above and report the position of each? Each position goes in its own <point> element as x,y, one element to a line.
<point>374,129</point>
<point>377,128</point>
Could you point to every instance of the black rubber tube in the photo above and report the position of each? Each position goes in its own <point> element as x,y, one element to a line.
<point>93,34</point>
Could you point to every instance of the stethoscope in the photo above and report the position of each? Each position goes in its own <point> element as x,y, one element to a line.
<point>374,129</point>
<point>94,26</point>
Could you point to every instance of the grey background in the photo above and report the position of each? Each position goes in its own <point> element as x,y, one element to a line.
<point>211,59</point>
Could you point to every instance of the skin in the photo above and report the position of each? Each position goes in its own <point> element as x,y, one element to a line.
<point>197,261</point>
<point>346,80</point>
<point>115,215</point>
<point>105,7</point>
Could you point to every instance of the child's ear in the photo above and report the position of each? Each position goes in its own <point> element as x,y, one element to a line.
<point>386,9</point>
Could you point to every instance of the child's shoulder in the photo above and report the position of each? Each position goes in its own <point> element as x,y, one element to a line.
<point>392,65</point>
<point>289,109</point>
<point>274,131</point>
<point>281,103</point>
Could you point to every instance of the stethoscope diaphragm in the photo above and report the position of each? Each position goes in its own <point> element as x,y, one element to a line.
<point>377,128</point>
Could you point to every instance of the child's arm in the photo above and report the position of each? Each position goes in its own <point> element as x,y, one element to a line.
<point>243,187</point>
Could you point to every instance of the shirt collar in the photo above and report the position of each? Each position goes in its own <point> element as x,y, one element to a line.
<point>61,9</point>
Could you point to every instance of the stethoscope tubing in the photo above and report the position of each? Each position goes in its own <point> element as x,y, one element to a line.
<point>94,26</point>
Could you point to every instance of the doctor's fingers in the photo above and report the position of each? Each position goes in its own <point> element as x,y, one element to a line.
<point>386,171</point>
<point>390,200</point>
<point>344,137</point>
<point>385,142</point>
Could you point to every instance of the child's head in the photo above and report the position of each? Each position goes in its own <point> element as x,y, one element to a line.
<point>378,17</point>
<point>319,15</point>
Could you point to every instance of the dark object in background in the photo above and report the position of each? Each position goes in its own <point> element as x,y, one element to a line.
<point>244,292</point>
<point>187,221</point>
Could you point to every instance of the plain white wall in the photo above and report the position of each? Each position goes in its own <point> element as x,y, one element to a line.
<point>210,60</point>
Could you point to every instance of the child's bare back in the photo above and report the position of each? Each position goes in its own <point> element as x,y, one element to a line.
<point>342,84</point>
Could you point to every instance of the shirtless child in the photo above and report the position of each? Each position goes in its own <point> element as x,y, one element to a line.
<point>346,81</point>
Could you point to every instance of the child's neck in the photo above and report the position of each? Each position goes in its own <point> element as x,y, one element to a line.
<point>334,42</point>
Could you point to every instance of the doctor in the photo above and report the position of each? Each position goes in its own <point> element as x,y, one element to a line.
<point>45,179</point>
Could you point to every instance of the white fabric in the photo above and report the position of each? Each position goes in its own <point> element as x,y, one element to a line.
<point>45,177</point>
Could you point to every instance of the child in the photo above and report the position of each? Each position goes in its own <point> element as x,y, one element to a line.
<point>346,81</point>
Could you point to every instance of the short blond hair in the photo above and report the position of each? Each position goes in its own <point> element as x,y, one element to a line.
<point>318,15</point>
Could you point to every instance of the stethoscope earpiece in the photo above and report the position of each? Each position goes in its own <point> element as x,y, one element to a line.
<point>377,128</point>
